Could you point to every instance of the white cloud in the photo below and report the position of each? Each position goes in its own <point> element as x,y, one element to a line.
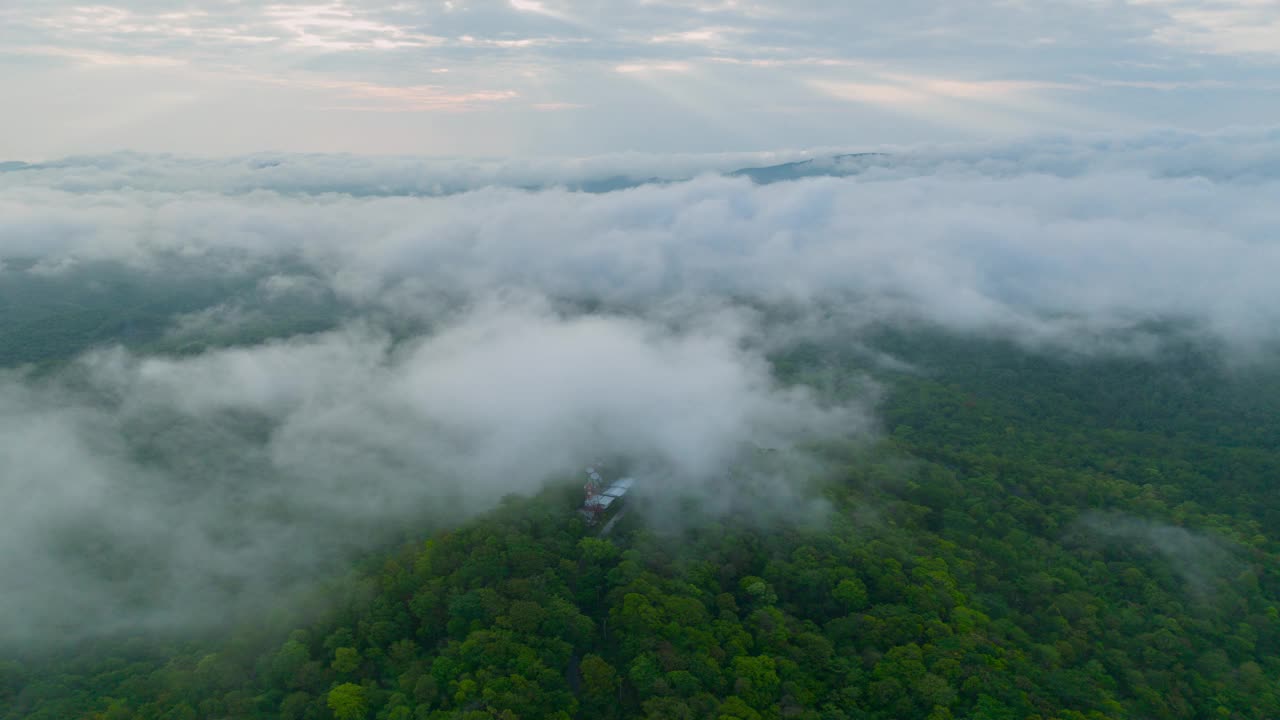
<point>1248,28</point>
<point>770,74</point>
<point>654,67</point>
<point>1033,239</point>
<point>153,493</point>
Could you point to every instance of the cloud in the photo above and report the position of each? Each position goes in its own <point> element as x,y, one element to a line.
<point>337,26</point>
<point>1200,560</point>
<point>654,67</point>
<point>711,75</point>
<point>422,98</point>
<point>1248,28</point>
<point>102,58</point>
<point>1049,241</point>
<point>556,106</point>
<point>318,174</point>
<point>151,493</point>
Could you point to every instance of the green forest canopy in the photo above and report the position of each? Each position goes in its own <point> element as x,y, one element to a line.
<point>1032,537</point>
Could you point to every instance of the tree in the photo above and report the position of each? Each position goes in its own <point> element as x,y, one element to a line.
<point>346,660</point>
<point>758,682</point>
<point>288,661</point>
<point>347,701</point>
<point>733,708</point>
<point>851,594</point>
<point>599,683</point>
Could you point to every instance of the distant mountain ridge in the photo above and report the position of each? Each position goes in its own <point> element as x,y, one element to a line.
<point>836,165</point>
<point>833,166</point>
<point>291,175</point>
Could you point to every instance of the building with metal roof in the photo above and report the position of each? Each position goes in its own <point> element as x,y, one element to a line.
<point>599,501</point>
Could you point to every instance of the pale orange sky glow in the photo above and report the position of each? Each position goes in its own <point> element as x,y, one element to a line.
<point>529,77</point>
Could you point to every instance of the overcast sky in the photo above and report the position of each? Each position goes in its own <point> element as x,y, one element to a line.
<point>578,77</point>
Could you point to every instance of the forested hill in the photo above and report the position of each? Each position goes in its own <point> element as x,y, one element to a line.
<point>1033,537</point>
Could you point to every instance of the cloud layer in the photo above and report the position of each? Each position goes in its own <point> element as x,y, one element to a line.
<point>503,77</point>
<point>162,491</point>
<point>1054,238</point>
<point>147,493</point>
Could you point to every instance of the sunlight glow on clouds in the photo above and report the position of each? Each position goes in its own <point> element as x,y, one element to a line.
<point>770,74</point>
<point>335,27</point>
<point>1223,27</point>
<point>674,67</point>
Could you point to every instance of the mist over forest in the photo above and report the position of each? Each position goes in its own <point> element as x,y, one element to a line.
<point>226,382</point>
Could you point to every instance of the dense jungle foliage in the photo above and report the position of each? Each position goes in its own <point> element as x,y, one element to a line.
<point>1032,537</point>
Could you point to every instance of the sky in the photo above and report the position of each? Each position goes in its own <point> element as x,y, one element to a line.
<point>584,77</point>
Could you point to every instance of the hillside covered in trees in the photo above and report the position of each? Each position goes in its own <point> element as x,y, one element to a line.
<point>1028,535</point>
<point>982,430</point>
